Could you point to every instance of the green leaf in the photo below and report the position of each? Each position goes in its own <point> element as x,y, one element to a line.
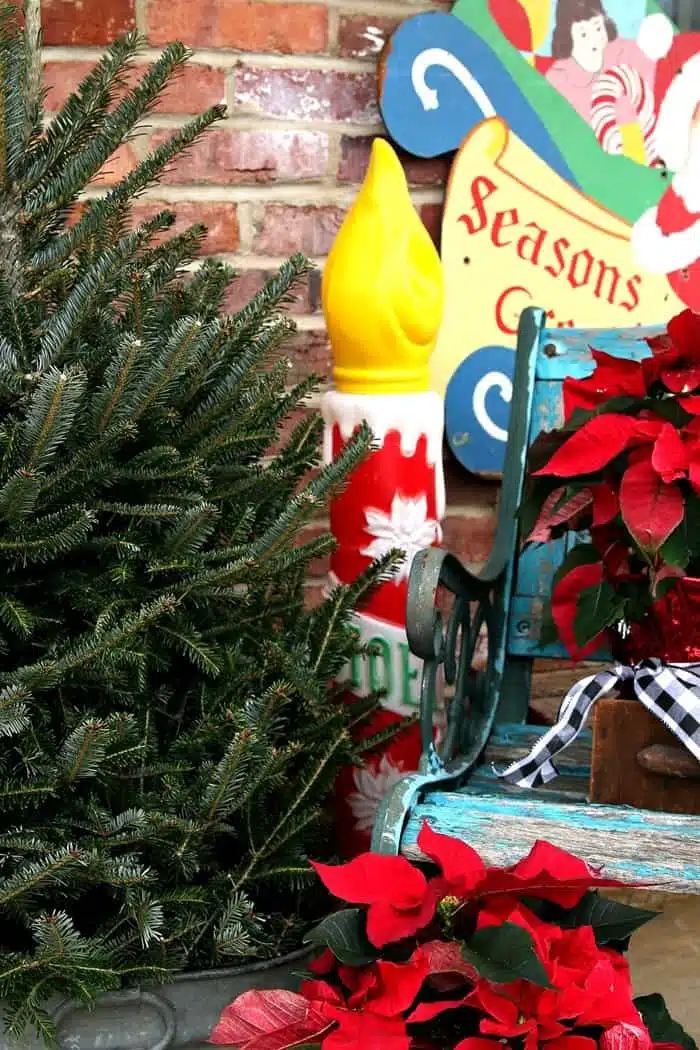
<point>612,921</point>
<point>597,607</point>
<point>676,549</point>
<point>344,933</point>
<point>662,1027</point>
<point>581,554</point>
<point>684,542</point>
<point>505,953</point>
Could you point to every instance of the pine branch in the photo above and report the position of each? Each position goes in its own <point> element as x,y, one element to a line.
<point>143,175</point>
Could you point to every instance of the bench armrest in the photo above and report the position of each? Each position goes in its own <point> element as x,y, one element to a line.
<point>448,645</point>
<point>436,643</point>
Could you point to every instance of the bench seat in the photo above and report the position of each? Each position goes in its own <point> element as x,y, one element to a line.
<point>501,822</point>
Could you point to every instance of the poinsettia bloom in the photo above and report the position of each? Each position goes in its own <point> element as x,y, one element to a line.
<point>669,457</point>
<point>462,867</point>
<point>573,956</point>
<point>676,355</point>
<point>626,1037</point>
<point>499,910</point>
<point>512,1011</point>
<point>448,974</point>
<point>612,377</point>
<point>400,899</point>
<point>606,504</point>
<point>547,872</point>
<point>375,1023</point>
<point>322,964</point>
<point>593,446</point>
<point>565,597</point>
<point>563,1042</point>
<point>603,995</point>
<point>272,1018</point>
<point>384,988</point>
<point>368,1032</point>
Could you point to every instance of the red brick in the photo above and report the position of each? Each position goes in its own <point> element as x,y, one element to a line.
<point>354,159</point>
<point>87,22</point>
<point>360,36</point>
<point>240,24</point>
<point>308,94</point>
<point>309,351</point>
<point>287,428</point>
<point>117,167</point>
<point>225,156</point>
<point>249,282</point>
<point>313,595</point>
<point>468,490</point>
<point>431,214</point>
<point>317,566</point>
<point>195,89</point>
<point>286,228</point>
<point>220,218</point>
<point>469,535</point>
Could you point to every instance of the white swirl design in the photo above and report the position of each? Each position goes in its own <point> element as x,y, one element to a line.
<point>488,382</point>
<point>439,56</point>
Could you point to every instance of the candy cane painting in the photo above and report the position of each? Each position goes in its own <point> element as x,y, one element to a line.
<point>608,78</point>
<point>575,128</point>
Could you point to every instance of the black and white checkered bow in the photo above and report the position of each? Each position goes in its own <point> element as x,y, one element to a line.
<point>671,692</point>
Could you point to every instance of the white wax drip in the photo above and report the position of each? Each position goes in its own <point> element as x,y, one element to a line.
<point>412,415</point>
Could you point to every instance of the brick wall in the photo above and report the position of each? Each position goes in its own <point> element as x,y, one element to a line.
<point>277,176</point>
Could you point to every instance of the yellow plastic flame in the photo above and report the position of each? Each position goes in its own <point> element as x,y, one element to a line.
<point>383,288</point>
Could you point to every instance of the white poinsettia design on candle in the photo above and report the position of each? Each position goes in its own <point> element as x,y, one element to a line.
<point>372,785</point>
<point>407,527</point>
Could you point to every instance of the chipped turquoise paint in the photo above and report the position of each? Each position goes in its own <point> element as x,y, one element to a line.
<point>634,845</point>
<point>502,827</point>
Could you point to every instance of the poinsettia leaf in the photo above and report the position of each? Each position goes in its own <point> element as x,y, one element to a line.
<point>662,1027</point>
<point>597,607</point>
<point>691,519</point>
<point>581,554</point>
<point>561,507</point>
<point>344,932</point>
<point>675,551</point>
<point>612,921</point>
<point>606,504</point>
<point>262,1019</point>
<point>624,404</point>
<point>651,508</point>
<point>592,447</point>
<point>543,448</point>
<point>505,953</point>
<point>443,957</point>
<point>664,579</point>
<point>670,409</point>
<point>570,622</point>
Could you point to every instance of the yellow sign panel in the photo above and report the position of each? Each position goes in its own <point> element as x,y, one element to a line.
<point>515,234</point>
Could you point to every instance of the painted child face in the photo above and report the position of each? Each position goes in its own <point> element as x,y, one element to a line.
<point>588,40</point>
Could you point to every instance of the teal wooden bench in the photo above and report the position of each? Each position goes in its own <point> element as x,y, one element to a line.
<point>456,788</point>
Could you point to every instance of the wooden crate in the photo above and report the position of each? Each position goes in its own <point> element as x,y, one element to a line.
<point>637,762</point>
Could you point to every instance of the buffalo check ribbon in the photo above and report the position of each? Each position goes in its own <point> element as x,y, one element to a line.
<point>671,692</point>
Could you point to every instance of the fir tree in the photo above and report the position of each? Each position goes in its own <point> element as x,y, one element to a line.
<point>169,734</point>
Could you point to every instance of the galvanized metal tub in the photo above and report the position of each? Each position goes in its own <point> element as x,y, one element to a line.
<point>179,1014</point>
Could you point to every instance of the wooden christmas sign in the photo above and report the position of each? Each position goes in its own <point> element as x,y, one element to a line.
<point>574,186</point>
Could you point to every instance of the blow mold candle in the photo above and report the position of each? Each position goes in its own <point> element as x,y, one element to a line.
<point>383,297</point>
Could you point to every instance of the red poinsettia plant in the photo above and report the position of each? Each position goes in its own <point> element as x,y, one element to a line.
<point>463,957</point>
<point>624,470</point>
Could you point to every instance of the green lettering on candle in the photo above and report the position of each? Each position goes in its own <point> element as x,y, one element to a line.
<point>408,675</point>
<point>380,650</point>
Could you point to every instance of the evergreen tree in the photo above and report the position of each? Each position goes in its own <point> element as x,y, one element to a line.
<point>169,734</point>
